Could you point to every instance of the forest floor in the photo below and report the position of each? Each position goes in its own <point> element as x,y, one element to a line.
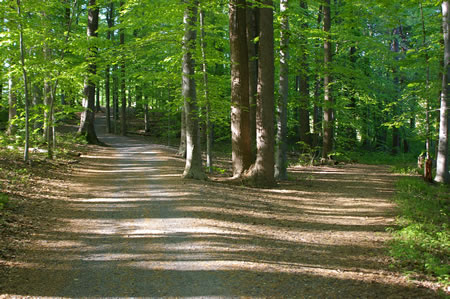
<point>122,223</point>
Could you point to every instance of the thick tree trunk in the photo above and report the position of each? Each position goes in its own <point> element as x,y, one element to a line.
<point>123,108</point>
<point>87,127</point>
<point>193,168</point>
<point>12,103</point>
<point>240,116</point>
<point>281,138</point>
<point>252,45</point>
<point>327,146</point>
<point>262,172</point>
<point>442,175</point>
<point>209,135</point>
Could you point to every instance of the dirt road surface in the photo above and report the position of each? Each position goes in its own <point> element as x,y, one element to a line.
<point>131,227</point>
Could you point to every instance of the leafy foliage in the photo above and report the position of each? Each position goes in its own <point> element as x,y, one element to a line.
<point>422,244</point>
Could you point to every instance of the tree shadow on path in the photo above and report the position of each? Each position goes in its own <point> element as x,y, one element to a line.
<point>131,227</point>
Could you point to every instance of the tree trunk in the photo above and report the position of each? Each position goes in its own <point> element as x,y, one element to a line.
<point>146,116</point>
<point>110,21</point>
<point>240,116</point>
<point>252,45</point>
<point>12,103</point>
<point>25,83</point>
<point>327,146</point>
<point>115,95</point>
<point>97,98</point>
<point>123,108</point>
<point>442,175</point>
<point>350,131</point>
<point>87,127</point>
<point>193,168</point>
<point>37,100</point>
<point>262,172</point>
<point>304,127</point>
<point>209,136</point>
<point>317,110</point>
<point>281,138</point>
<point>182,148</point>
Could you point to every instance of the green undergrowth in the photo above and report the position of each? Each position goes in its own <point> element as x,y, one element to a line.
<point>421,243</point>
<point>383,158</point>
<point>67,144</point>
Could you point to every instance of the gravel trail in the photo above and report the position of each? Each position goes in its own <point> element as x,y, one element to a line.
<point>131,227</point>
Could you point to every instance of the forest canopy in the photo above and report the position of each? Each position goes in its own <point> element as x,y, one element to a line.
<point>347,76</point>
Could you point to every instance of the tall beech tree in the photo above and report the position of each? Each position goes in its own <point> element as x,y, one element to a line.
<point>442,175</point>
<point>240,109</point>
<point>261,173</point>
<point>87,127</point>
<point>193,168</point>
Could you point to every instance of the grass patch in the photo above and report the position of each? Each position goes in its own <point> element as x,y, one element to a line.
<point>421,245</point>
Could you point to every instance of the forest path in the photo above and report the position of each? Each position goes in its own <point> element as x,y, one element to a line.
<point>132,227</point>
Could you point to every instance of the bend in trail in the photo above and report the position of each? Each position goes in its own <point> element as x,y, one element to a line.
<point>132,227</point>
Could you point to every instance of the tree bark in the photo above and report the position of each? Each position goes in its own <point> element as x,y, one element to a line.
<point>261,173</point>
<point>442,175</point>
<point>327,146</point>
<point>240,116</point>
<point>281,138</point>
<point>87,127</point>
<point>193,168</point>
<point>123,108</point>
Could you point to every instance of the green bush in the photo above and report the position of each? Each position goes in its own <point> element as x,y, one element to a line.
<point>422,242</point>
